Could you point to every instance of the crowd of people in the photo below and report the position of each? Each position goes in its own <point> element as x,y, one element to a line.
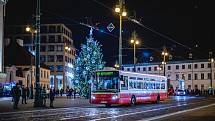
<point>20,92</point>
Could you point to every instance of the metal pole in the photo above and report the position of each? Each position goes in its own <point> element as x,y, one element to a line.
<point>32,40</point>
<point>38,100</point>
<point>120,41</point>
<point>120,36</point>
<point>164,63</point>
<point>134,58</point>
<point>211,80</point>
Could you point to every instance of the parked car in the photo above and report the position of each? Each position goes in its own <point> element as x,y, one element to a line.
<point>180,92</point>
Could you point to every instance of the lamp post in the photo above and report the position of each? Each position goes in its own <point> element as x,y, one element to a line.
<point>38,99</point>
<point>164,54</point>
<point>135,42</point>
<point>32,31</point>
<point>120,9</point>
<point>211,60</point>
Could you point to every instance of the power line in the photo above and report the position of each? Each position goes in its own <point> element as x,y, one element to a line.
<point>158,33</point>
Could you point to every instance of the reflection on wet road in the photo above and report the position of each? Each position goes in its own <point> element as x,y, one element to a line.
<point>116,113</point>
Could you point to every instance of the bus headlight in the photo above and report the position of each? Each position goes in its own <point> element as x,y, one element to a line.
<point>93,97</point>
<point>114,97</point>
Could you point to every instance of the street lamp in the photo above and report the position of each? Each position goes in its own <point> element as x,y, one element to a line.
<point>164,54</point>
<point>211,60</point>
<point>32,31</point>
<point>120,9</point>
<point>135,42</point>
<point>67,48</point>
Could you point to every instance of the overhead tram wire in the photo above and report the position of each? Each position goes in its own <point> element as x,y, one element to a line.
<point>80,23</point>
<point>164,36</point>
<point>95,28</point>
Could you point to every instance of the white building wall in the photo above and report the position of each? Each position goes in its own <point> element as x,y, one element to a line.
<point>171,74</point>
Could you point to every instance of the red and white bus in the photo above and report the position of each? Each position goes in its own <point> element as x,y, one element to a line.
<point>121,87</point>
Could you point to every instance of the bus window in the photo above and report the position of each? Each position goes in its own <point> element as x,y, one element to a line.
<point>153,85</point>
<point>150,86</point>
<point>138,85</point>
<point>135,85</point>
<point>124,83</point>
<point>141,85</point>
<point>131,86</point>
<point>139,78</point>
<point>145,85</point>
<point>162,85</point>
<point>157,85</point>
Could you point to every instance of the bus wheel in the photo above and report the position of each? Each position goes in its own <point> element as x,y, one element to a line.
<point>133,101</point>
<point>107,105</point>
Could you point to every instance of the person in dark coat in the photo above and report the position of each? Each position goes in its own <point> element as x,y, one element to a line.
<point>24,95</point>
<point>51,97</point>
<point>44,96</point>
<point>61,92</point>
<point>16,96</point>
<point>74,92</point>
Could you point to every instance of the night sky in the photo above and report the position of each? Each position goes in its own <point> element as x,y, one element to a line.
<point>182,25</point>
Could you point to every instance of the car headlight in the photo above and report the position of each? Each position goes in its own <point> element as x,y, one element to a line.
<point>114,97</point>
<point>93,97</point>
<point>184,93</point>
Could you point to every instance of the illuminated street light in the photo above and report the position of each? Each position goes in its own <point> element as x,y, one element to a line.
<point>135,42</point>
<point>164,54</point>
<point>32,31</point>
<point>118,9</point>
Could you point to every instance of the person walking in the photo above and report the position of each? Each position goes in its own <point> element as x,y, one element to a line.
<point>51,97</point>
<point>44,96</point>
<point>70,93</point>
<point>74,91</point>
<point>61,92</point>
<point>17,94</point>
<point>24,94</point>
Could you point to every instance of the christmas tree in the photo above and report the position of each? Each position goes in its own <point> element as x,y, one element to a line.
<point>88,60</point>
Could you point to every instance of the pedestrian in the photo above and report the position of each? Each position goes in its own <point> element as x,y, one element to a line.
<point>17,94</point>
<point>44,96</point>
<point>70,93</point>
<point>74,91</point>
<point>61,92</point>
<point>47,92</point>
<point>57,92</point>
<point>51,97</point>
<point>67,92</point>
<point>24,94</point>
<point>28,92</point>
<point>12,94</point>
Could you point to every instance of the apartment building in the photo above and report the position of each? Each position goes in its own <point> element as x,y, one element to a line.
<point>56,50</point>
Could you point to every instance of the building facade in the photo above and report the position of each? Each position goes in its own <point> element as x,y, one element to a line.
<point>191,74</point>
<point>20,68</point>
<point>56,51</point>
<point>25,75</point>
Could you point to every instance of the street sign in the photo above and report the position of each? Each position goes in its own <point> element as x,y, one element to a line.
<point>110,27</point>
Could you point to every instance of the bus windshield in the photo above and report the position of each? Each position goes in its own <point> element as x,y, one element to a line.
<point>106,81</point>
